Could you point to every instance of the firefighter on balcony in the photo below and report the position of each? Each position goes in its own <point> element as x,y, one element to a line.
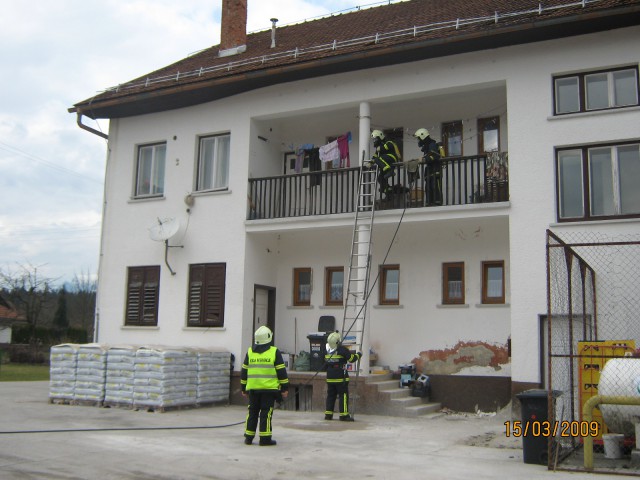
<point>432,153</point>
<point>385,156</point>
<point>264,378</point>
<point>336,360</point>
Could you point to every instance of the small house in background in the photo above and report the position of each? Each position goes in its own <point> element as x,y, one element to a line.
<point>9,316</point>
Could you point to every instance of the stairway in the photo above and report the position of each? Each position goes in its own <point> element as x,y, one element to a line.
<point>398,401</point>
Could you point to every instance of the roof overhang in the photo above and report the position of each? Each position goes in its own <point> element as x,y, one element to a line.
<point>207,90</point>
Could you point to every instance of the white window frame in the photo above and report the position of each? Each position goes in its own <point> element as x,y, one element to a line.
<point>213,163</point>
<point>150,182</point>
<point>611,186</point>
<point>581,90</point>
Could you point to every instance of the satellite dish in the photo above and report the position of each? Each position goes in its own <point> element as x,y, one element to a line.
<point>164,229</point>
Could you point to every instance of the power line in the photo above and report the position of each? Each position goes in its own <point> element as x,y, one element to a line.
<point>8,148</point>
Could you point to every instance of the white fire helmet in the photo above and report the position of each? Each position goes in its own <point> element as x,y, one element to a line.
<point>263,335</point>
<point>421,133</point>
<point>333,340</point>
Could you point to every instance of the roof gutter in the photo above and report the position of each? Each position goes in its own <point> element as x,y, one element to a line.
<point>88,128</point>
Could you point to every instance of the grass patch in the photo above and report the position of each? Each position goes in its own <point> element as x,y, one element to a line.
<point>20,372</point>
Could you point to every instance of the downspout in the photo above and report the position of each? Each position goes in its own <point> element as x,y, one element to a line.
<point>89,129</point>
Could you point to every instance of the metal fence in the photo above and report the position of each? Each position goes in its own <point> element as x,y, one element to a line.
<point>592,330</point>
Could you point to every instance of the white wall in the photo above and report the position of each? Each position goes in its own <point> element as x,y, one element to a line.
<point>411,95</point>
<point>533,135</point>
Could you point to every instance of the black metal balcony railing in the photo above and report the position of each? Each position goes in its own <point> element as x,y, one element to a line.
<point>461,180</point>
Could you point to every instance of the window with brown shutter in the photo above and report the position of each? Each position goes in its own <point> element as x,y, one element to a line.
<point>143,288</point>
<point>206,295</point>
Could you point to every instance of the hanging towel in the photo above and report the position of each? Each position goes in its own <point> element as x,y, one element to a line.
<point>329,152</point>
<point>343,147</point>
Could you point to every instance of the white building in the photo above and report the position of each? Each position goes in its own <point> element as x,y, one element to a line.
<point>210,141</point>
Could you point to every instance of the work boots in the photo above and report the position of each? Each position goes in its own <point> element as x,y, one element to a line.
<point>267,442</point>
<point>346,418</point>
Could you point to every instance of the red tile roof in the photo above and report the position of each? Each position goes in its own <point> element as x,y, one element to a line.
<point>7,312</point>
<point>395,33</point>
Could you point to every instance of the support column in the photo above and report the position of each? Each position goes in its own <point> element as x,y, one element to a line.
<point>365,131</point>
<point>364,236</point>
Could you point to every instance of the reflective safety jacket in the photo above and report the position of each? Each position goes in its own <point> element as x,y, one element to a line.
<point>388,153</point>
<point>263,369</point>
<point>336,362</point>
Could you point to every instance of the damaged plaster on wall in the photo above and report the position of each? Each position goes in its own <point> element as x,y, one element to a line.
<point>465,357</point>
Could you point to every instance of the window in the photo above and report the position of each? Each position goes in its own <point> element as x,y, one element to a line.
<point>301,287</point>
<point>452,138</point>
<point>488,134</point>
<point>150,170</point>
<point>584,92</point>
<point>213,163</point>
<point>493,282</point>
<point>453,283</point>
<point>206,295</point>
<point>390,285</point>
<point>598,182</point>
<point>334,284</point>
<point>143,288</point>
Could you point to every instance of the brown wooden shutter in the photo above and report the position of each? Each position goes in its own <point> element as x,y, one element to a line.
<point>206,295</point>
<point>143,296</point>
<point>151,296</point>
<point>196,283</point>
<point>214,295</point>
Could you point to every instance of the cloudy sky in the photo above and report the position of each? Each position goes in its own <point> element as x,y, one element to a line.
<point>57,53</point>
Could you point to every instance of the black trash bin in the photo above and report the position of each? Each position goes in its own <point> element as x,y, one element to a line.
<point>535,410</point>
<point>317,349</point>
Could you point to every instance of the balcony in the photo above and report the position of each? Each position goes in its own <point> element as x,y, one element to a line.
<point>464,181</point>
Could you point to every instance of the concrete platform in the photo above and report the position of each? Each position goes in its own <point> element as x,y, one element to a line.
<point>39,440</point>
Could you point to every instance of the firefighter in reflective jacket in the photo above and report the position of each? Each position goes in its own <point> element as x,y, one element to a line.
<point>385,156</point>
<point>432,153</point>
<point>336,360</point>
<point>264,378</point>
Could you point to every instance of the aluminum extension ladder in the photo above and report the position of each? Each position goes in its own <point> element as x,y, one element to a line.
<point>355,309</point>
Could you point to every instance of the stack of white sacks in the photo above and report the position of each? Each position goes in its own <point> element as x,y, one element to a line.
<point>165,377</point>
<point>62,371</point>
<point>139,377</point>
<point>91,372</point>
<point>214,373</point>
<point>120,372</point>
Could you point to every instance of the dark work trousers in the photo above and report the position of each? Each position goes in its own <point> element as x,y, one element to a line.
<point>260,406</point>
<point>386,170</point>
<point>433,183</point>
<point>339,390</point>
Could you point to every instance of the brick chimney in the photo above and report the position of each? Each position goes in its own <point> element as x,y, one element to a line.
<point>233,33</point>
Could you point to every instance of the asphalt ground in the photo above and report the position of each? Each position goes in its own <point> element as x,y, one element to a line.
<point>40,440</point>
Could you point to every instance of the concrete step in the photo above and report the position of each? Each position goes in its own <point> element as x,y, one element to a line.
<point>426,410</point>
<point>405,402</point>
<point>387,385</point>
<point>380,377</point>
<point>394,393</point>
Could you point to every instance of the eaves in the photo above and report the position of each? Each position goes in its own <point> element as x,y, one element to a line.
<point>180,95</point>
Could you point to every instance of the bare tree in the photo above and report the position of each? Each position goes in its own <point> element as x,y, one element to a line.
<point>30,293</point>
<point>84,288</point>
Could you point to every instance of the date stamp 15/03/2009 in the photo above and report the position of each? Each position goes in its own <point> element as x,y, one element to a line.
<point>552,429</point>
